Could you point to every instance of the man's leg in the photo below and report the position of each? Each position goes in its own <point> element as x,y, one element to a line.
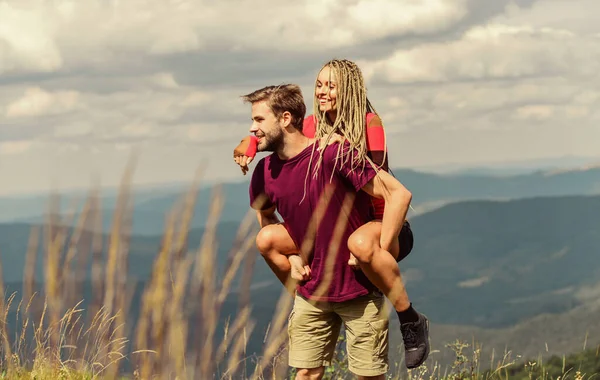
<point>310,374</point>
<point>313,331</point>
<point>382,270</point>
<point>367,338</point>
<point>276,246</point>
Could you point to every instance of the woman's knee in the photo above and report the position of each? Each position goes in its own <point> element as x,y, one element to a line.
<point>362,246</point>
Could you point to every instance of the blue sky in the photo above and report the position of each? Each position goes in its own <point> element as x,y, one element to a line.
<point>84,83</point>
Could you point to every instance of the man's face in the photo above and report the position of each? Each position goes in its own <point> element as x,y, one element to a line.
<point>266,127</point>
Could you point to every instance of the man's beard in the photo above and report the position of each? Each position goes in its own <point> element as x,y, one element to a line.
<point>272,142</point>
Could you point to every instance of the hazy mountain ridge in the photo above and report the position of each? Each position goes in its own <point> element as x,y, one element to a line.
<point>506,258</point>
<point>429,192</point>
<point>506,273</point>
<point>497,254</point>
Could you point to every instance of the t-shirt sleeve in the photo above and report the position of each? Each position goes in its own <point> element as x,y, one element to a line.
<point>357,173</point>
<point>258,197</point>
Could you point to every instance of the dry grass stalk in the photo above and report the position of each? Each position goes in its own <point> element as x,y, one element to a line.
<point>4,307</point>
<point>29,284</point>
<point>334,245</point>
<point>205,274</point>
<point>182,288</point>
<point>97,271</point>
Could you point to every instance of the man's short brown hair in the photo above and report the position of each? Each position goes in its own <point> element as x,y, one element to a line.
<point>282,98</point>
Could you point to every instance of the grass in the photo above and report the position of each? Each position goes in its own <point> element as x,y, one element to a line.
<point>180,307</point>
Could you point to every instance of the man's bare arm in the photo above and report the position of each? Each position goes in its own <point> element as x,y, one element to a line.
<point>267,217</point>
<point>397,201</point>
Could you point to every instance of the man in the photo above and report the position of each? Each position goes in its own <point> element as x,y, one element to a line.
<point>293,181</point>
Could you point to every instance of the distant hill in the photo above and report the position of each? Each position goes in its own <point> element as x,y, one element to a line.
<point>29,207</point>
<point>507,168</point>
<point>428,187</point>
<point>495,263</point>
<point>586,362</point>
<point>150,206</point>
<point>429,192</point>
<point>512,273</point>
<point>544,335</point>
<point>142,252</point>
<point>482,263</point>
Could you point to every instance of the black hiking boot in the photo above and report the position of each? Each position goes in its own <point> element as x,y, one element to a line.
<point>416,341</point>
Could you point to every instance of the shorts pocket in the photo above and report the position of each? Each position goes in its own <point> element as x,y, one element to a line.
<point>380,330</point>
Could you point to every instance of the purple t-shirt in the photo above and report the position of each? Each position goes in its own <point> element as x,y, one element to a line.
<point>296,195</point>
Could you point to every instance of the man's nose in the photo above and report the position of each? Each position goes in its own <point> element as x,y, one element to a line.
<point>253,128</point>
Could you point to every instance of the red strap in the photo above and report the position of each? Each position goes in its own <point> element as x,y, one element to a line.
<point>308,127</point>
<point>375,138</point>
<point>370,116</point>
<point>251,151</point>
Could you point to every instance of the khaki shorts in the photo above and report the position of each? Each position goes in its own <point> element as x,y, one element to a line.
<point>313,331</point>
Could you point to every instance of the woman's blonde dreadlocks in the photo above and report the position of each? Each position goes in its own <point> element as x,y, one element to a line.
<point>352,107</point>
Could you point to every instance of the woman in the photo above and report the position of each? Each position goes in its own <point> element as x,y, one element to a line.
<point>342,111</point>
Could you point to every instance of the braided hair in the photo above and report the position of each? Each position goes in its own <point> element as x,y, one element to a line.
<point>352,107</point>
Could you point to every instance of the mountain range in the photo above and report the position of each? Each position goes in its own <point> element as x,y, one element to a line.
<point>510,261</point>
<point>503,272</point>
<point>430,191</point>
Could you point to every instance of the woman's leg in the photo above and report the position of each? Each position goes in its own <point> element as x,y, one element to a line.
<point>372,229</point>
<point>381,268</point>
<point>379,265</point>
<point>280,252</point>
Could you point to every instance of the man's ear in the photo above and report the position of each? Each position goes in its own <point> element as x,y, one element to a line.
<point>286,119</point>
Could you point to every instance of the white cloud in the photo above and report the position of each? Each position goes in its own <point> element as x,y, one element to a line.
<point>454,80</point>
<point>38,102</point>
<point>573,15</point>
<point>491,52</point>
<point>420,17</point>
<point>150,111</point>
<point>73,129</point>
<point>15,147</point>
<point>36,35</point>
<point>27,38</point>
<point>535,112</point>
<point>164,80</point>
<point>199,134</point>
<point>195,98</point>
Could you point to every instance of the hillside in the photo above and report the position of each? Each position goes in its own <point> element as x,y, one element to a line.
<point>543,335</point>
<point>586,362</point>
<point>495,263</point>
<point>430,191</point>
<point>482,263</point>
<point>515,274</point>
<point>427,187</point>
<point>142,252</point>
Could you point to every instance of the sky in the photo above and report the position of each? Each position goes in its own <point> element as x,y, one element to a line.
<point>85,85</point>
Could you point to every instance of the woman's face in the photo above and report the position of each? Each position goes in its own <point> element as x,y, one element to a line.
<point>326,91</point>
